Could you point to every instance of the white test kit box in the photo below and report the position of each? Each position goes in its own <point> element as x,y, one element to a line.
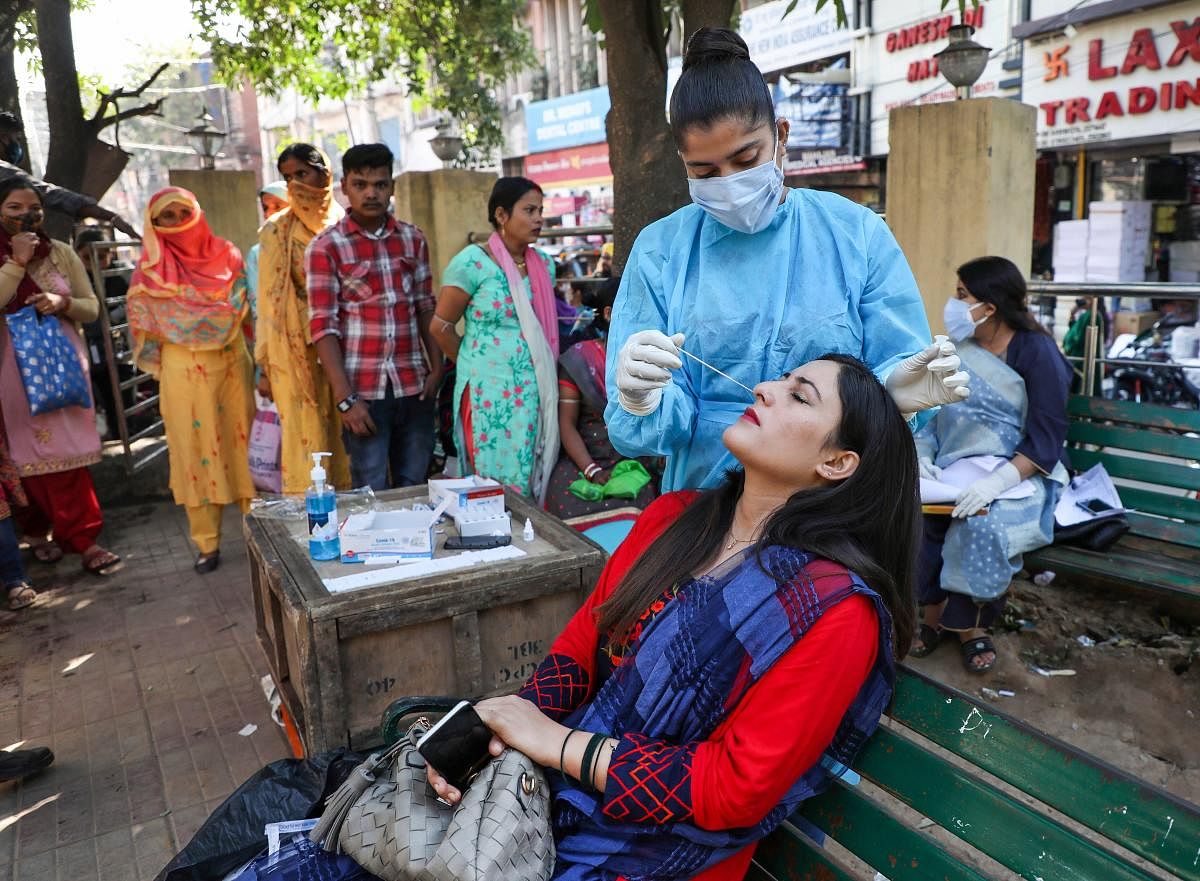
<point>474,495</point>
<point>402,534</point>
<point>472,525</point>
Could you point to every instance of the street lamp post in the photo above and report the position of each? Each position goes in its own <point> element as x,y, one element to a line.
<point>447,143</point>
<point>208,139</point>
<point>963,60</point>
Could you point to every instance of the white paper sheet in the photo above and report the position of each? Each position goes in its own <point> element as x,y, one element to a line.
<point>1092,484</point>
<point>964,472</point>
<point>419,568</point>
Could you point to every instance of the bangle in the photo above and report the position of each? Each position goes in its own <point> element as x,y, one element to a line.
<point>595,767</point>
<point>591,471</point>
<point>562,754</point>
<point>589,757</point>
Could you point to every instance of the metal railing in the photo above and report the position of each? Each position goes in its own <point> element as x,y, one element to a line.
<point>559,232</point>
<point>114,359</point>
<point>1093,292</point>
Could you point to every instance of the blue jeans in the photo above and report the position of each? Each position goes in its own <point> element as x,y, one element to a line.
<point>12,572</point>
<point>403,439</point>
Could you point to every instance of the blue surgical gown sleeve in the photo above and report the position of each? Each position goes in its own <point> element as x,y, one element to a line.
<point>638,307</point>
<point>891,310</point>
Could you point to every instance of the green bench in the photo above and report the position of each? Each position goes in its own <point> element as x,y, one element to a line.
<point>908,762</point>
<point>1146,443</point>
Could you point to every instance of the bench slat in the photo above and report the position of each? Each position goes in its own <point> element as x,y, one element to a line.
<point>1164,530</point>
<point>1152,415</point>
<point>788,855</point>
<point>1115,567</point>
<point>1147,471</point>
<point>1139,439</point>
<point>875,836</point>
<point>1007,830</point>
<point>1150,502</point>
<point>1148,821</point>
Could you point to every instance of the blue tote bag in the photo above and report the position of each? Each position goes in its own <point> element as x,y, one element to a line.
<point>49,364</point>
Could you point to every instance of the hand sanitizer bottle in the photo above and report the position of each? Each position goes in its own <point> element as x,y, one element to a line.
<point>321,503</point>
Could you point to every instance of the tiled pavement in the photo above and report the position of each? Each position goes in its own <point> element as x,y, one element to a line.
<point>139,682</point>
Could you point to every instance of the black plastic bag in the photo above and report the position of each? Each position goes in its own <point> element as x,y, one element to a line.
<point>1098,534</point>
<point>289,789</point>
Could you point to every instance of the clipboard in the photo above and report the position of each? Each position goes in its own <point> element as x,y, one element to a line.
<point>948,509</point>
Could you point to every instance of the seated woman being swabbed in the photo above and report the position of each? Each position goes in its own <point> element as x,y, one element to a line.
<point>740,645</point>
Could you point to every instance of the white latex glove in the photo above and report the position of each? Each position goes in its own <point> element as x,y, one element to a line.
<point>928,379</point>
<point>644,368</point>
<point>928,470</point>
<point>983,492</point>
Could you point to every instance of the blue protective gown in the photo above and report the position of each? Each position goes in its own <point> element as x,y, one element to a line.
<point>825,276</point>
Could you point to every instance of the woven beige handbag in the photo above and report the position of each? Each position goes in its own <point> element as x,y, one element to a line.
<point>396,829</point>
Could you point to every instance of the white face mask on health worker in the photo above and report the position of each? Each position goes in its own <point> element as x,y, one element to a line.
<point>745,201</point>
<point>960,323</point>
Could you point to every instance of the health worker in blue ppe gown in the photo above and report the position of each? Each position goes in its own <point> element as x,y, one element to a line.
<point>755,279</point>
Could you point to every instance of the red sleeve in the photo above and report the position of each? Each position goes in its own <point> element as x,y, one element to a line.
<point>562,681</point>
<point>776,732</point>
<point>323,287</point>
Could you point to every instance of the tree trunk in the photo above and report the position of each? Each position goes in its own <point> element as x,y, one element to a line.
<point>649,181</point>
<point>10,97</point>
<point>71,135</point>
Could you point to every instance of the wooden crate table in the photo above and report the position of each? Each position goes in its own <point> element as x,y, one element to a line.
<point>339,659</point>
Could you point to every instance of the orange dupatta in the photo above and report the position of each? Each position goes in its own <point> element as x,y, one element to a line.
<point>188,289</point>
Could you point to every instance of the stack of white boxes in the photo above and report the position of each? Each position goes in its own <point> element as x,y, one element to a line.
<point>1118,241</point>
<point>1185,262</point>
<point>1071,250</point>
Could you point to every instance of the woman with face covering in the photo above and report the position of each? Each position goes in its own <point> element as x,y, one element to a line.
<point>51,450</point>
<point>506,379</point>
<point>752,278</point>
<point>188,311</point>
<point>283,349</point>
<point>1017,417</point>
<point>740,644</point>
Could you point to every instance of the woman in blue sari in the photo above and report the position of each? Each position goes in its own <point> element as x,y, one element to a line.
<point>1017,418</point>
<point>739,647</point>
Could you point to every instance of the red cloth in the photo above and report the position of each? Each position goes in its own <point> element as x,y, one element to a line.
<point>370,291</point>
<point>65,502</point>
<point>775,733</point>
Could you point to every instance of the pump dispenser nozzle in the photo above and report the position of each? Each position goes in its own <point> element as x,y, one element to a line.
<point>318,472</point>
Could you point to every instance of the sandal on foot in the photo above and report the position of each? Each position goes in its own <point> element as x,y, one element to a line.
<point>973,648</point>
<point>206,563</point>
<point>21,596</point>
<point>46,551</point>
<point>99,561</point>
<point>931,638</point>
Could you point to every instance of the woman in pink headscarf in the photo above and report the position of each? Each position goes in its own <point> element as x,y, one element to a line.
<point>506,381</point>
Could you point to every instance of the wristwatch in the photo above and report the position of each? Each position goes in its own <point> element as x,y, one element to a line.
<point>347,402</point>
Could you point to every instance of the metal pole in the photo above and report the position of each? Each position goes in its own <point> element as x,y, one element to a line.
<point>1089,348</point>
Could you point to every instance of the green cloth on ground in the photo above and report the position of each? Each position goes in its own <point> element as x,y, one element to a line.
<point>629,477</point>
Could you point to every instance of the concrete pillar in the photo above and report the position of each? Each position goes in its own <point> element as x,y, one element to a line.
<point>960,185</point>
<point>229,200</point>
<point>446,204</point>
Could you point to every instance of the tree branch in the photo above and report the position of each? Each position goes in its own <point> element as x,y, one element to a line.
<point>152,109</point>
<point>110,99</point>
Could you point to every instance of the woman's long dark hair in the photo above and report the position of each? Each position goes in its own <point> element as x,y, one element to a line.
<point>997,280</point>
<point>306,153</point>
<point>868,522</point>
<point>719,81</point>
<point>506,193</point>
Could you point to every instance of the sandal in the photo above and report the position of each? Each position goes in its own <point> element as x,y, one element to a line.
<point>99,561</point>
<point>21,596</point>
<point>206,563</point>
<point>973,648</point>
<point>46,550</point>
<point>931,638</point>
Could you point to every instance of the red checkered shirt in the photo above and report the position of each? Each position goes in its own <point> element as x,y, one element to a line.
<point>369,290</point>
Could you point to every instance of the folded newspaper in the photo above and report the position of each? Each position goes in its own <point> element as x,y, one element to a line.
<point>1090,496</point>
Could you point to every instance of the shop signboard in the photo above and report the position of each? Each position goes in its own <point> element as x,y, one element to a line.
<point>898,64</point>
<point>1134,76</point>
<point>570,167</point>
<point>568,121</point>
<point>778,39</point>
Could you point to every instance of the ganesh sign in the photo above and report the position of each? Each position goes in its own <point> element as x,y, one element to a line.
<point>1135,76</point>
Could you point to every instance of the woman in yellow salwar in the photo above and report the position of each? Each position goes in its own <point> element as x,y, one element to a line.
<point>283,349</point>
<point>188,311</point>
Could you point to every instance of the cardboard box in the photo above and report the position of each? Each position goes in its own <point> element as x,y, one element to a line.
<point>1133,322</point>
<point>407,534</point>
<point>477,495</point>
<point>471,525</point>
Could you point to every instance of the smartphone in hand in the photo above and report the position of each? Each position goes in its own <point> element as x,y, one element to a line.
<point>457,746</point>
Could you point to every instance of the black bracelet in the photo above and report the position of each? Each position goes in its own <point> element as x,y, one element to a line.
<point>562,754</point>
<point>589,756</point>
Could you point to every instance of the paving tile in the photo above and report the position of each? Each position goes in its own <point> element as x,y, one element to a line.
<point>36,867</point>
<point>76,861</point>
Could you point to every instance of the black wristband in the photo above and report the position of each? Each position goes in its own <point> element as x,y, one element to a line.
<point>589,757</point>
<point>562,755</point>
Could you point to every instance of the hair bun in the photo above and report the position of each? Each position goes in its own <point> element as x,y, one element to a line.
<point>714,46</point>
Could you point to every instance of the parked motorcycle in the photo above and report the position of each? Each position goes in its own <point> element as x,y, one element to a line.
<point>1170,386</point>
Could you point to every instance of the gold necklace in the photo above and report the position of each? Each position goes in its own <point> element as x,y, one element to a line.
<point>733,540</point>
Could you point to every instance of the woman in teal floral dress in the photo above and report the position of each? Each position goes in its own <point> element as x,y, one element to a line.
<point>506,388</point>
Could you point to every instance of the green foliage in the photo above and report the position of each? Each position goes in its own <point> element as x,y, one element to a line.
<point>454,54</point>
<point>840,7</point>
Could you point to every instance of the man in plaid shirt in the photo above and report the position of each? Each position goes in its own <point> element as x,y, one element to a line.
<point>370,301</point>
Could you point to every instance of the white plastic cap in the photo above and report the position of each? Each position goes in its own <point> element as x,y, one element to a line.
<point>318,473</point>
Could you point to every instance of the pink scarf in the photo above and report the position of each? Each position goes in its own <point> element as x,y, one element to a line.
<point>539,283</point>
